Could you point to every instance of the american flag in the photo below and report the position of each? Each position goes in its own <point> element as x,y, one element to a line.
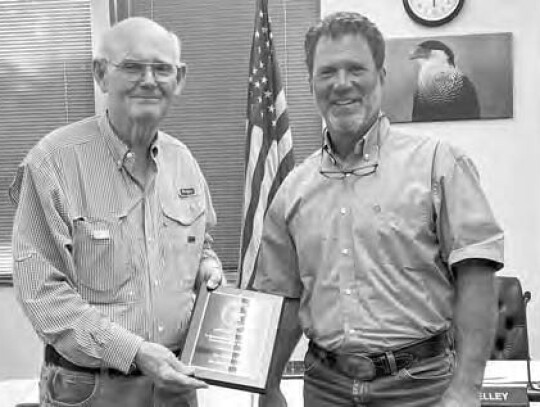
<point>269,151</point>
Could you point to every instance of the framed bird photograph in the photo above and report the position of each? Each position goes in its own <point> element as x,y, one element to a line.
<point>465,77</point>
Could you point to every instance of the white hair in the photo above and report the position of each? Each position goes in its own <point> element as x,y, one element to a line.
<point>104,49</point>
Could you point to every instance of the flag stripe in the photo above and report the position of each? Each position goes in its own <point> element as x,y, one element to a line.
<point>254,185</point>
<point>281,103</point>
<point>258,214</point>
<point>255,141</point>
<point>282,126</point>
<point>272,165</point>
<point>284,168</point>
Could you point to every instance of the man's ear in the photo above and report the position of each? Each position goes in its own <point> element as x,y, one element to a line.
<point>99,69</point>
<point>382,75</point>
<point>180,78</point>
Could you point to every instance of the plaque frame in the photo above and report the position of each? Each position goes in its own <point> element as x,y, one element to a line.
<point>208,342</point>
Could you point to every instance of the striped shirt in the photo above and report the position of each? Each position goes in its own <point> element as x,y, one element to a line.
<point>100,262</point>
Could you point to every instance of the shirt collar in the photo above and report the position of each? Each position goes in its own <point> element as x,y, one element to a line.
<point>119,150</point>
<point>368,146</point>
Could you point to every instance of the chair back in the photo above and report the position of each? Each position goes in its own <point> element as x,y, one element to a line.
<point>511,340</point>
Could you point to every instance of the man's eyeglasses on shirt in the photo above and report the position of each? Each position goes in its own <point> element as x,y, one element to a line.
<point>337,173</point>
<point>135,70</point>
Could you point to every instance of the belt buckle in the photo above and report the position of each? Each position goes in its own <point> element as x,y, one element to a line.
<point>358,366</point>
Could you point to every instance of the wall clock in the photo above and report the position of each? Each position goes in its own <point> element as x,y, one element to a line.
<point>433,13</point>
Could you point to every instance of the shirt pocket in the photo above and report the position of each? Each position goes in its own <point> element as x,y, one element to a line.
<point>181,237</point>
<point>100,256</point>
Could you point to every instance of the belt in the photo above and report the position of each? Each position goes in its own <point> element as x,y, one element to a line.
<point>371,366</point>
<point>54,358</point>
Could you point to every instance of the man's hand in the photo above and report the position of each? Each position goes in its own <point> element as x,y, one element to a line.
<point>167,372</point>
<point>210,271</point>
<point>459,398</point>
<point>273,398</point>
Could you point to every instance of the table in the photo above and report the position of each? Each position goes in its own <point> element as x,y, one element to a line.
<point>500,372</point>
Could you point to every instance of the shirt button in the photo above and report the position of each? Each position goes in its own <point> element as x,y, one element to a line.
<point>345,252</point>
<point>343,211</point>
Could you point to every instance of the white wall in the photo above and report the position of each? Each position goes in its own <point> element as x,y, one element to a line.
<point>21,351</point>
<point>506,151</point>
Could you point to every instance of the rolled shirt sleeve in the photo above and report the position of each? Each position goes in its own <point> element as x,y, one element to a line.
<point>466,226</point>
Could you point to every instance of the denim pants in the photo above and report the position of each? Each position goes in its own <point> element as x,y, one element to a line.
<point>60,387</point>
<point>419,385</point>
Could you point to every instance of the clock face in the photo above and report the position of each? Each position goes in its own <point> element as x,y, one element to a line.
<point>433,12</point>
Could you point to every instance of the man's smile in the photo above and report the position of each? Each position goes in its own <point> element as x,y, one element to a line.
<point>147,98</point>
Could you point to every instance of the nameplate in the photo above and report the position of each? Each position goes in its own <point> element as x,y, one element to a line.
<point>493,396</point>
<point>231,337</point>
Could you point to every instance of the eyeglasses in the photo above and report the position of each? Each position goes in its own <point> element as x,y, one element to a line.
<point>340,174</point>
<point>135,70</point>
<point>361,171</point>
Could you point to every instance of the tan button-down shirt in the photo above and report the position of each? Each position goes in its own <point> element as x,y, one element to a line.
<point>101,263</point>
<point>368,247</point>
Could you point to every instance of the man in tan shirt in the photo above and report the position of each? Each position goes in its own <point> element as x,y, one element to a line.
<point>384,245</point>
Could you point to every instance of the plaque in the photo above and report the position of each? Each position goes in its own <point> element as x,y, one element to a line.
<point>231,337</point>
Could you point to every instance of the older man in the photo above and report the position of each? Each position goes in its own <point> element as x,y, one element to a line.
<point>384,245</point>
<point>111,238</point>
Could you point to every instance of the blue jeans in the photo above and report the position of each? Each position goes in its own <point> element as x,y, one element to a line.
<point>60,387</point>
<point>419,385</point>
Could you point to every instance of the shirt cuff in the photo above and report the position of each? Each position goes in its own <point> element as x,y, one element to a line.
<point>121,349</point>
<point>492,250</point>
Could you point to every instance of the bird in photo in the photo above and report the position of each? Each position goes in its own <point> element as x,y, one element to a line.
<point>443,91</point>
